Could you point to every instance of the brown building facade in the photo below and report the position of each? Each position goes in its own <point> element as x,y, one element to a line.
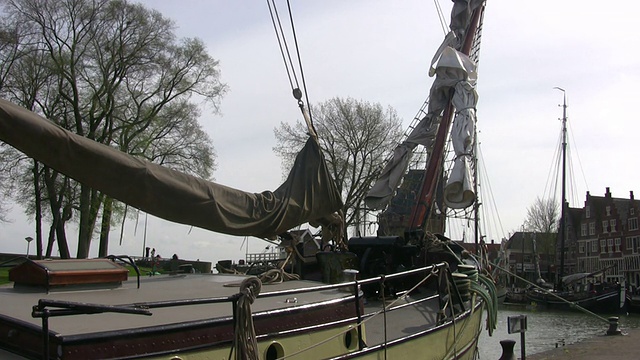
<point>606,236</point>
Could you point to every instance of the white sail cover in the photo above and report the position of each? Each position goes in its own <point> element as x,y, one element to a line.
<point>456,71</point>
<point>459,192</point>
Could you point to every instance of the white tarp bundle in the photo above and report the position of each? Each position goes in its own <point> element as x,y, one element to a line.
<point>456,71</point>
<point>459,192</point>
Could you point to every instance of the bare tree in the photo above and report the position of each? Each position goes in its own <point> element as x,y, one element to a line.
<point>115,73</point>
<point>355,137</point>
<point>542,218</point>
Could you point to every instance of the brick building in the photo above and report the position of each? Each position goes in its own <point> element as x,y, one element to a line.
<point>605,234</point>
<point>528,253</point>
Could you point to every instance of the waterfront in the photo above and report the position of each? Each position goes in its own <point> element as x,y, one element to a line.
<point>547,329</point>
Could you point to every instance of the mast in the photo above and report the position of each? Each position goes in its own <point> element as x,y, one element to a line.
<point>562,226</point>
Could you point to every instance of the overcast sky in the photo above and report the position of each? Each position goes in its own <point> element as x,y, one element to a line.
<point>379,51</point>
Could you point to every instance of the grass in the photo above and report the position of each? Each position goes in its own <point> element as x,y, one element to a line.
<point>4,276</point>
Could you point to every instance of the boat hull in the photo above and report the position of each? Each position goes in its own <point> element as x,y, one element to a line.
<point>296,319</point>
<point>606,302</point>
<point>449,341</point>
<point>632,303</point>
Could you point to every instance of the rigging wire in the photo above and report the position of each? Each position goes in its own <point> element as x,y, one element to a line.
<point>573,141</point>
<point>295,40</point>
<point>443,20</point>
<point>289,64</point>
<point>551,185</point>
<point>282,41</point>
<point>488,201</point>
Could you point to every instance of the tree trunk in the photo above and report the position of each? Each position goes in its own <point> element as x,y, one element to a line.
<point>55,203</point>
<point>90,201</point>
<point>63,248</point>
<point>57,231</point>
<point>107,211</point>
<point>51,238</point>
<point>84,233</point>
<point>38,200</point>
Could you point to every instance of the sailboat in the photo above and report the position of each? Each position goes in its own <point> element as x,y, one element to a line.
<point>386,297</point>
<point>584,291</point>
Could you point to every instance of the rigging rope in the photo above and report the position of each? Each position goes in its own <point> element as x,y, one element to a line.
<point>443,21</point>
<point>245,341</point>
<point>289,65</point>
<point>282,41</point>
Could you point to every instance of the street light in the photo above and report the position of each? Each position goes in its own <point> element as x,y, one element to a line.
<point>29,240</point>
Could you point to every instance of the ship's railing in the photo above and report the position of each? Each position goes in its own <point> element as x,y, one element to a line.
<point>263,257</point>
<point>47,308</point>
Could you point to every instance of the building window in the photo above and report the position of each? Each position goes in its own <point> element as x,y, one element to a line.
<point>608,209</point>
<point>632,211</point>
<point>617,245</point>
<point>583,229</point>
<point>594,247</point>
<point>610,245</point>
<point>605,226</point>
<point>603,246</point>
<point>635,241</point>
<point>587,211</point>
<point>633,223</point>
<point>592,228</point>
<point>581,248</point>
<point>613,224</point>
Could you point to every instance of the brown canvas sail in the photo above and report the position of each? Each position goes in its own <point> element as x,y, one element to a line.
<point>308,194</point>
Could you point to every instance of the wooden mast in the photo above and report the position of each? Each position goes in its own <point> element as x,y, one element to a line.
<point>561,229</point>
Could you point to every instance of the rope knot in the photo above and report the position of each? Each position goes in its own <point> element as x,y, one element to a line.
<point>245,341</point>
<point>250,288</point>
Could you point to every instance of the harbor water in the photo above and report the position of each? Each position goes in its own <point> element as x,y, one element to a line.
<point>548,329</point>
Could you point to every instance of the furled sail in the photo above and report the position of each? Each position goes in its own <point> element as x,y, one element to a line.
<point>459,192</point>
<point>455,73</point>
<point>308,194</point>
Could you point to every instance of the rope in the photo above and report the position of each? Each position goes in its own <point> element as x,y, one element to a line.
<point>490,298</point>
<point>282,41</point>
<point>245,341</point>
<point>384,314</point>
<point>443,21</point>
<point>453,318</point>
<point>275,276</point>
<point>288,63</point>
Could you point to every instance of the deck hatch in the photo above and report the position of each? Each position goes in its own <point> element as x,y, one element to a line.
<point>60,273</point>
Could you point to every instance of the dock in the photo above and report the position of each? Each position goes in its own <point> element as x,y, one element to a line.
<point>604,347</point>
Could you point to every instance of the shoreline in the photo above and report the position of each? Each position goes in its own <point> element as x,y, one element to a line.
<point>602,347</point>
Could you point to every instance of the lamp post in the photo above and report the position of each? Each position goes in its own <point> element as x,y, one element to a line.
<point>29,239</point>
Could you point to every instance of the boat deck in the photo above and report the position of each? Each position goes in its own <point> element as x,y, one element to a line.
<point>18,302</point>
<point>189,312</point>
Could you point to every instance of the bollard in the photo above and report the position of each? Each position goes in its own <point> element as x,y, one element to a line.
<point>507,350</point>
<point>613,326</point>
